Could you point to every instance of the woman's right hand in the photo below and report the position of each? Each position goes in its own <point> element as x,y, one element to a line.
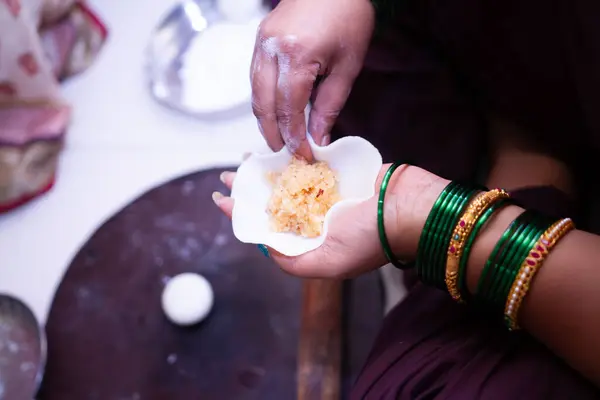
<point>297,42</point>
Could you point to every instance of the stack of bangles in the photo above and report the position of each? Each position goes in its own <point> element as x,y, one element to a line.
<point>457,217</point>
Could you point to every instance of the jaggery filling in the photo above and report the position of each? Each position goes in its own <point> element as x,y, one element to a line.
<point>302,195</point>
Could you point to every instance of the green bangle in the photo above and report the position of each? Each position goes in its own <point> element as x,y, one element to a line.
<point>539,226</point>
<point>506,261</point>
<point>449,221</point>
<point>435,238</point>
<point>486,278</point>
<point>506,258</point>
<point>462,266</point>
<point>423,254</point>
<point>532,258</point>
<point>387,249</point>
<point>436,235</point>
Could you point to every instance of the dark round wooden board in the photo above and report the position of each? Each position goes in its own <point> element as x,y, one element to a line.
<point>109,340</point>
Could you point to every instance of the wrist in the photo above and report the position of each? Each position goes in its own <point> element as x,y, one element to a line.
<point>411,194</point>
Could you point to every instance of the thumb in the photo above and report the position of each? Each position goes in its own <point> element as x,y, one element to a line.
<point>331,95</point>
<point>351,246</point>
<point>311,265</point>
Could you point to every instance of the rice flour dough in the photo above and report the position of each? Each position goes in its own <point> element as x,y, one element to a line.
<point>187,299</point>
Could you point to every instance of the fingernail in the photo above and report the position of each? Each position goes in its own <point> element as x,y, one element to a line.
<point>326,140</point>
<point>217,197</point>
<point>263,249</point>
<point>222,178</point>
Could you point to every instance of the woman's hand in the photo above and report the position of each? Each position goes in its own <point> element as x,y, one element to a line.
<point>297,42</point>
<point>352,244</point>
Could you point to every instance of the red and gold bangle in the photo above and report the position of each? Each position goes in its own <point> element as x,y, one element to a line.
<point>461,233</point>
<point>531,265</point>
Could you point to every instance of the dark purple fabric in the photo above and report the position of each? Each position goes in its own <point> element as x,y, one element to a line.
<point>427,83</point>
<point>430,347</point>
<point>547,200</point>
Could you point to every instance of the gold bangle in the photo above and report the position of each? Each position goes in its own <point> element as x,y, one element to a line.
<point>530,267</point>
<point>461,233</point>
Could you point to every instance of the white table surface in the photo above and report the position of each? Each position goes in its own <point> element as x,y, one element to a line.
<point>120,144</point>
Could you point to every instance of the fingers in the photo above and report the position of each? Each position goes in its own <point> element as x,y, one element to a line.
<point>263,77</point>
<point>227,178</point>
<point>224,203</point>
<point>294,86</point>
<point>331,96</point>
<point>306,266</point>
<point>309,265</point>
<point>282,81</point>
<point>321,263</point>
<point>289,264</point>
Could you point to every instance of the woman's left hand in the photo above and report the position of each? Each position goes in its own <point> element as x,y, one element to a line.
<point>352,245</point>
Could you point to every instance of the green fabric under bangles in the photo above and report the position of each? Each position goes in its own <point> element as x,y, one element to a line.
<point>506,258</point>
<point>436,235</point>
<point>387,249</point>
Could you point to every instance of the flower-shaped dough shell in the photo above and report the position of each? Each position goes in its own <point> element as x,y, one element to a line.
<point>356,163</point>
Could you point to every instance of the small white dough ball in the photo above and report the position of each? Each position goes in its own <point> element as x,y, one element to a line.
<point>187,299</point>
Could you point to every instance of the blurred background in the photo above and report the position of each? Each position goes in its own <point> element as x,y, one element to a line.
<point>121,142</point>
<point>117,119</point>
